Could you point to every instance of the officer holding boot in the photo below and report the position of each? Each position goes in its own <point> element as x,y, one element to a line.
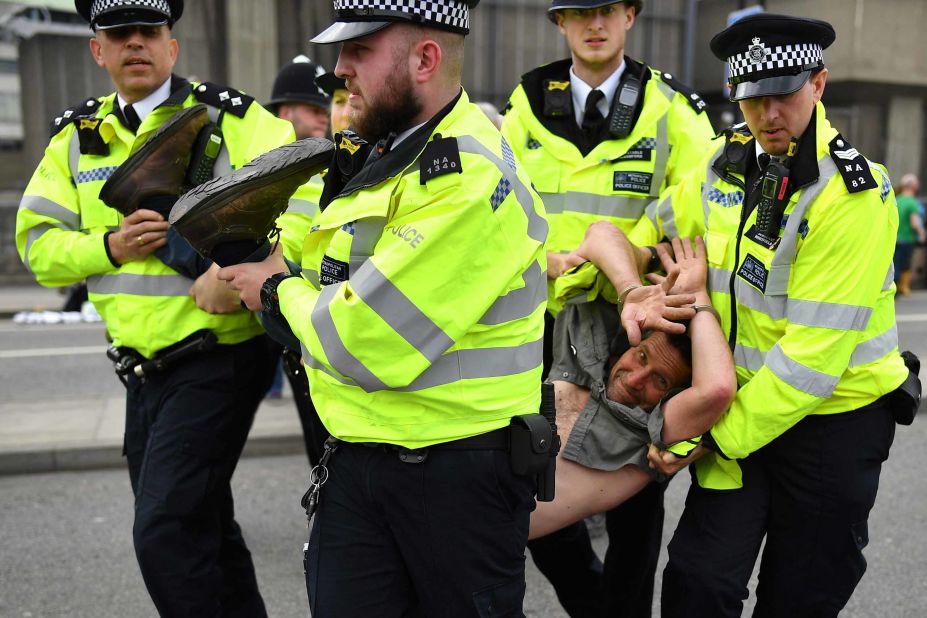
<point>602,135</point>
<point>419,308</point>
<point>194,378</point>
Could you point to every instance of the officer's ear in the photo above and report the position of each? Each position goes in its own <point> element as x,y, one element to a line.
<point>428,59</point>
<point>818,80</point>
<point>96,50</point>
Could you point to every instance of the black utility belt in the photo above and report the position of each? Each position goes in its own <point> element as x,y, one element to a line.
<point>128,361</point>
<point>530,439</point>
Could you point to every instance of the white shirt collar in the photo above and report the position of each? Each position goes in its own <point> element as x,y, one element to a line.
<point>147,105</point>
<point>402,136</point>
<point>581,92</point>
<point>759,150</point>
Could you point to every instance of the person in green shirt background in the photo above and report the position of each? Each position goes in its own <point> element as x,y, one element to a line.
<point>910,231</point>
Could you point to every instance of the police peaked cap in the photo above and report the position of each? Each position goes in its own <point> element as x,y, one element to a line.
<point>559,5</point>
<point>297,82</point>
<point>105,14</point>
<point>357,18</point>
<point>770,54</point>
<point>330,83</point>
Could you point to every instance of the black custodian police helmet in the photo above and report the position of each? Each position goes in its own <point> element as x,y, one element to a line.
<point>559,5</point>
<point>105,14</point>
<point>357,18</point>
<point>771,54</point>
<point>297,82</point>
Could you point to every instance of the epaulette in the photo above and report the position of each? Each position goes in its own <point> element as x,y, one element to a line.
<point>229,99</point>
<point>81,110</point>
<point>441,156</point>
<point>694,99</point>
<point>852,166</point>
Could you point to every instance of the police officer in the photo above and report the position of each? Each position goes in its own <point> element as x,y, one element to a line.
<point>335,88</point>
<point>297,96</point>
<point>187,417</point>
<point>602,135</point>
<point>420,312</point>
<point>800,231</point>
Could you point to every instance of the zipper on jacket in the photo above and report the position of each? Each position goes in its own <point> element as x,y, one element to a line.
<point>745,211</point>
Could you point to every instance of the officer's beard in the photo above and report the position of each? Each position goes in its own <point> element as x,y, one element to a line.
<point>395,109</point>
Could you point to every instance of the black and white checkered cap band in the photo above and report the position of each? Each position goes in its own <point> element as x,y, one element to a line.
<point>449,13</point>
<point>769,60</point>
<point>104,6</point>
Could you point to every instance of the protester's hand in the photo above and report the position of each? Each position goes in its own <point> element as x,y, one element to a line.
<point>599,236</point>
<point>141,233</point>
<point>559,263</point>
<point>668,463</point>
<point>689,261</point>
<point>212,295</point>
<point>247,279</point>
<point>652,307</point>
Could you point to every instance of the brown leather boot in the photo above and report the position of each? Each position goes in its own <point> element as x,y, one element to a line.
<point>904,283</point>
<point>159,166</point>
<point>229,218</point>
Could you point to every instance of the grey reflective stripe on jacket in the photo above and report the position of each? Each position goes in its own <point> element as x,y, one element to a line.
<point>62,218</point>
<point>139,285</point>
<point>593,204</point>
<point>798,376</point>
<point>458,365</point>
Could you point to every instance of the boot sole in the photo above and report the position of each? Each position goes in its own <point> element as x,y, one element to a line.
<point>306,157</point>
<point>164,132</point>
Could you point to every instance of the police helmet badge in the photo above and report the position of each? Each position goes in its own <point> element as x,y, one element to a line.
<point>757,52</point>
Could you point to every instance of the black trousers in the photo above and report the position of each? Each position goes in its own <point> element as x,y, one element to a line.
<point>809,492</point>
<point>185,430</point>
<point>314,432</point>
<point>441,538</point>
<point>623,587</point>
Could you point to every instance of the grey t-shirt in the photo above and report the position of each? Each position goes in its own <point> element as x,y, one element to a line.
<point>607,435</point>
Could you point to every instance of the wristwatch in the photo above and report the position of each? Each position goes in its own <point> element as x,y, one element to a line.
<point>653,264</point>
<point>270,302</point>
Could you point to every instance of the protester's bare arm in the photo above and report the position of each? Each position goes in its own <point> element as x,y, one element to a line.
<point>559,263</point>
<point>693,411</point>
<point>582,492</point>
<point>610,250</point>
<point>644,307</point>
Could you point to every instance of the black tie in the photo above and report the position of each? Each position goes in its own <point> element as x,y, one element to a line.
<point>592,117</point>
<point>132,119</point>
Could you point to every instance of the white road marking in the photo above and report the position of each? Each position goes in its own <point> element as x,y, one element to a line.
<point>37,352</point>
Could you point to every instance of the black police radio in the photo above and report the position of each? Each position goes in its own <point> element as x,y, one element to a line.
<point>774,193</point>
<point>622,118</point>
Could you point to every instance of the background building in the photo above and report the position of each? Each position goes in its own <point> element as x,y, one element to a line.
<point>876,89</point>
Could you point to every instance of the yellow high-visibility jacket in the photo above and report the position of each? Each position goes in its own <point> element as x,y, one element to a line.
<point>420,305</point>
<point>618,178</point>
<point>61,221</point>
